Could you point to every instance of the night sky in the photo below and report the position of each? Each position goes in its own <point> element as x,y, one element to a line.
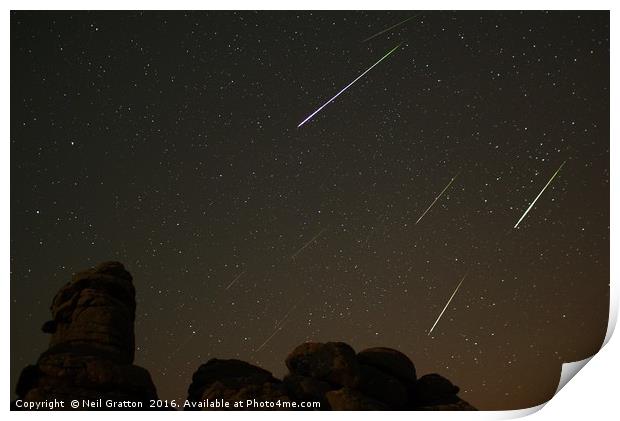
<point>169,141</point>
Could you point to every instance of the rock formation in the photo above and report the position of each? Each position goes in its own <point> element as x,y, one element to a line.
<point>231,381</point>
<point>333,362</point>
<point>333,375</point>
<point>91,352</point>
<point>91,349</point>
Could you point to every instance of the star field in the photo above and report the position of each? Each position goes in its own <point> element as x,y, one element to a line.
<point>169,141</point>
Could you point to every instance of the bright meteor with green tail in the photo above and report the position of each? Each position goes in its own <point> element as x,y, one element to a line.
<point>348,86</point>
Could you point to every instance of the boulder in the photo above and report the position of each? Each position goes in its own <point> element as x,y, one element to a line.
<point>91,349</point>
<point>433,389</point>
<point>383,387</point>
<point>235,380</point>
<point>266,396</point>
<point>231,373</point>
<point>389,360</point>
<point>67,376</point>
<point>302,388</point>
<point>333,362</point>
<point>96,309</point>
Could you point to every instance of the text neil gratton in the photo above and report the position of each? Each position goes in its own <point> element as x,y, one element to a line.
<point>76,404</point>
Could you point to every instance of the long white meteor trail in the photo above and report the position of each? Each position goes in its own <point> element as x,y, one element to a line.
<point>348,86</point>
<point>388,29</point>
<point>307,244</point>
<point>436,199</point>
<point>539,194</point>
<point>447,304</point>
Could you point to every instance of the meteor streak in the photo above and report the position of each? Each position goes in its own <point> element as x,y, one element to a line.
<point>436,199</point>
<point>447,304</point>
<point>388,29</point>
<point>348,86</point>
<point>307,244</point>
<point>539,194</point>
<point>235,280</point>
<point>279,327</point>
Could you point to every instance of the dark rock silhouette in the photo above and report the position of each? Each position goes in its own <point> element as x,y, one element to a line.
<point>91,349</point>
<point>434,390</point>
<point>333,362</point>
<point>383,387</point>
<point>389,360</point>
<point>96,310</point>
<point>333,375</point>
<point>233,380</point>
<point>308,389</point>
<point>91,353</point>
<point>388,375</point>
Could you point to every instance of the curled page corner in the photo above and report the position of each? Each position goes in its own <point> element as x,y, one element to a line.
<point>613,312</point>
<point>519,413</point>
<point>569,370</point>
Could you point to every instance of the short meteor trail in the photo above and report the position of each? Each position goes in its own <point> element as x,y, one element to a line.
<point>348,86</point>
<point>235,280</point>
<point>307,244</point>
<point>436,199</point>
<point>388,29</point>
<point>539,194</point>
<point>270,338</point>
<point>447,304</point>
<point>279,327</point>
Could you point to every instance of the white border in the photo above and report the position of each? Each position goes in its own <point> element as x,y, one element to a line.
<point>593,395</point>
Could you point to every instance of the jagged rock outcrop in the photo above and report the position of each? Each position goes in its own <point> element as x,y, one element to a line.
<point>333,362</point>
<point>333,375</point>
<point>233,381</point>
<point>434,392</point>
<point>91,349</point>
